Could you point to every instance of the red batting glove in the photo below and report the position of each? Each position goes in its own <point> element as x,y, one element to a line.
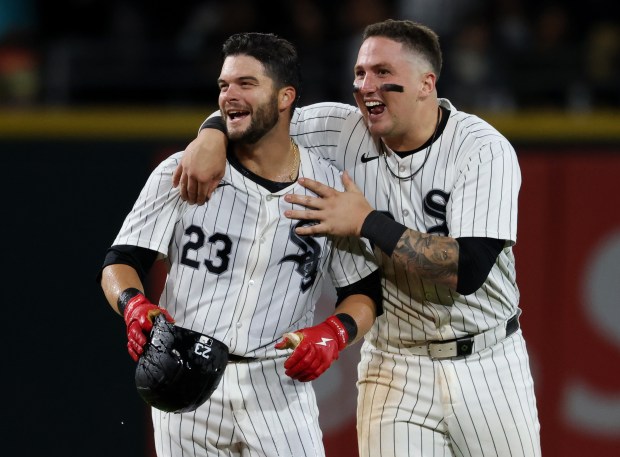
<point>319,347</point>
<point>139,315</point>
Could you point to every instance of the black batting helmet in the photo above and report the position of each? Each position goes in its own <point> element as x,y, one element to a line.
<point>180,368</point>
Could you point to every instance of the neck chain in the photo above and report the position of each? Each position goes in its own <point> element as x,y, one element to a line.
<point>428,151</point>
<point>295,165</point>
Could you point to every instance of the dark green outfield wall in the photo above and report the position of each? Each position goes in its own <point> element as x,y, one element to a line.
<point>66,377</point>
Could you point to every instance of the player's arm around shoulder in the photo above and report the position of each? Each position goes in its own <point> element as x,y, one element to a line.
<point>202,165</point>
<point>323,127</point>
<point>320,116</point>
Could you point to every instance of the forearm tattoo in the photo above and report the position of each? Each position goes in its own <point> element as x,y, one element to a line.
<point>430,257</point>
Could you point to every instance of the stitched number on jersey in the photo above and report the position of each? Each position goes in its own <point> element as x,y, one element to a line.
<point>197,240</point>
<point>435,204</point>
<point>308,260</point>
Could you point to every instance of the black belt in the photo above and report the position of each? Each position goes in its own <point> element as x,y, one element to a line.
<point>462,347</point>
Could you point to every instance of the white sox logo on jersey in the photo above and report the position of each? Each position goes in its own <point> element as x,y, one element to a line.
<point>308,260</point>
<point>435,204</point>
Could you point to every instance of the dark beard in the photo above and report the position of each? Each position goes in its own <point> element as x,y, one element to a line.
<point>264,119</point>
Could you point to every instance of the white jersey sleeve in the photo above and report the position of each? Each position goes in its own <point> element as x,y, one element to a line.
<point>150,224</point>
<point>483,201</point>
<point>329,129</point>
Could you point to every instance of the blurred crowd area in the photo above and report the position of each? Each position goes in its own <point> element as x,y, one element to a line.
<point>499,55</point>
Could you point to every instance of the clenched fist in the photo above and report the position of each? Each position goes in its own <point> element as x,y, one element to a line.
<point>139,314</point>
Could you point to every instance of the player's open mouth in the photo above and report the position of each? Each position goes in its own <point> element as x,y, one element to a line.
<point>237,114</point>
<point>375,107</point>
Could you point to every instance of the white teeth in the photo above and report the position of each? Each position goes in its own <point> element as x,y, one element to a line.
<point>371,104</point>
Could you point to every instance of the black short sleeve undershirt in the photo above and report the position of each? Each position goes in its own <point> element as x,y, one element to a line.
<point>370,285</point>
<point>141,259</point>
<point>476,258</point>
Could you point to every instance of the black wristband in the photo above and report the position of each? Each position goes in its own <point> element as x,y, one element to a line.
<point>349,324</point>
<point>214,122</point>
<point>124,298</point>
<point>382,230</point>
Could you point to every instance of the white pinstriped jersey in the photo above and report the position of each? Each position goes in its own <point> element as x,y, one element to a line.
<point>466,187</point>
<point>482,405</point>
<point>237,271</point>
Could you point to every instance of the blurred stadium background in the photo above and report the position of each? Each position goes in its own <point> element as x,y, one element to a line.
<point>94,93</point>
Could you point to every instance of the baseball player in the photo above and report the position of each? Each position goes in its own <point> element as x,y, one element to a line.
<point>239,273</point>
<point>444,371</point>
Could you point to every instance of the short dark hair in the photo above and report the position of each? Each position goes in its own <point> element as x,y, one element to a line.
<point>413,35</point>
<point>278,56</point>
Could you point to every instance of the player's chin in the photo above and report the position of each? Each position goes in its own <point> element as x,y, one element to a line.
<point>237,130</point>
<point>377,125</point>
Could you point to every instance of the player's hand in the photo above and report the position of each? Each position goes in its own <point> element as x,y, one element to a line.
<point>202,166</point>
<point>139,315</point>
<point>316,348</point>
<point>337,213</point>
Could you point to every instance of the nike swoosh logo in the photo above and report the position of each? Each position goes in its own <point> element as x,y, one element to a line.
<point>224,183</point>
<point>365,158</point>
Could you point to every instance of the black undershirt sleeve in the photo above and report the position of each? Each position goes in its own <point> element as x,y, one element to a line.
<point>370,285</point>
<point>476,258</point>
<point>215,122</point>
<point>141,259</point>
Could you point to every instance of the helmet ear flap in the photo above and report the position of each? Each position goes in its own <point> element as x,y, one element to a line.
<point>179,369</point>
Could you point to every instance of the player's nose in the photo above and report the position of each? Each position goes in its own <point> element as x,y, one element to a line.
<point>367,85</point>
<point>231,93</point>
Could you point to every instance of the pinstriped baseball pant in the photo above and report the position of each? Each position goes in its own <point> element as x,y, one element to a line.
<point>256,411</point>
<point>481,405</point>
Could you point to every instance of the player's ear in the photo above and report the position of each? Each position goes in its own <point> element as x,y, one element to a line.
<point>286,97</point>
<point>429,79</point>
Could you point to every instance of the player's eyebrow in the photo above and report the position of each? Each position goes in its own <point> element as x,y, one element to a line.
<point>239,79</point>
<point>374,67</point>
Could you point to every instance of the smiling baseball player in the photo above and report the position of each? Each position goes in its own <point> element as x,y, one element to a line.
<point>444,371</point>
<point>239,273</point>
